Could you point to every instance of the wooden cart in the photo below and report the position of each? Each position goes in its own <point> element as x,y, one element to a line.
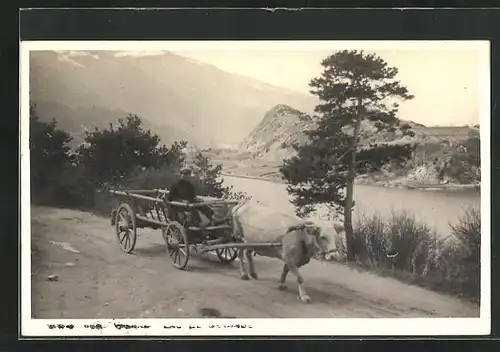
<point>151,209</point>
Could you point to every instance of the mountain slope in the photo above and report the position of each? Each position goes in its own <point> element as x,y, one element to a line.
<point>283,125</point>
<point>78,120</point>
<point>198,102</point>
<point>443,154</point>
<point>274,135</point>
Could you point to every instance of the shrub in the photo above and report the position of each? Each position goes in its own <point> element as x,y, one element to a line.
<point>446,264</point>
<point>209,181</point>
<point>150,178</point>
<point>412,240</point>
<point>75,189</point>
<point>468,234</point>
<point>466,253</point>
<point>50,160</point>
<point>111,154</point>
<point>370,242</point>
<point>375,238</point>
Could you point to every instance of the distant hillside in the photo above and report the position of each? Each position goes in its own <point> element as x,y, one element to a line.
<point>442,154</point>
<point>78,120</point>
<point>180,97</point>
<point>283,126</point>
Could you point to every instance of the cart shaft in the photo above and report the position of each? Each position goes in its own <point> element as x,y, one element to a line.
<point>240,245</point>
<point>201,204</point>
<point>210,228</point>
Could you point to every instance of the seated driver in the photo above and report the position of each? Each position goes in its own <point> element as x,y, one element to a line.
<point>184,191</point>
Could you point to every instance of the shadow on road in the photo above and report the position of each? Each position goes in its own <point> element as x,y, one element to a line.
<point>151,251</point>
<point>199,262</point>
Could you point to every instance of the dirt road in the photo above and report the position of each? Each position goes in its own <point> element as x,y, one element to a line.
<point>97,280</point>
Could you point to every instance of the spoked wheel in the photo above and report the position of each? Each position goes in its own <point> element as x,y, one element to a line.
<point>126,229</point>
<point>227,255</point>
<point>177,244</point>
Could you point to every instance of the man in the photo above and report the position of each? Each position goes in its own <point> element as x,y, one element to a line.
<point>184,191</point>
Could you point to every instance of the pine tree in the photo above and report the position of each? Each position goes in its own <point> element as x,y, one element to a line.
<point>111,154</point>
<point>354,86</point>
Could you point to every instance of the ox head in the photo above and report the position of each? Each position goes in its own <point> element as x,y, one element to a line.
<point>322,239</point>
<point>325,237</point>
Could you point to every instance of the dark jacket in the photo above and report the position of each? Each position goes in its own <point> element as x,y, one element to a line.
<point>182,190</point>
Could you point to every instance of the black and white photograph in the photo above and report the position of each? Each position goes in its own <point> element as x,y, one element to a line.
<point>255,188</point>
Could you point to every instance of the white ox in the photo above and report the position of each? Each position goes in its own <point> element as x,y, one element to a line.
<point>298,240</point>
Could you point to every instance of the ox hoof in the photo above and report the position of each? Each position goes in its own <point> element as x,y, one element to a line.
<point>305,299</point>
<point>282,286</point>
<point>245,277</point>
<point>254,276</point>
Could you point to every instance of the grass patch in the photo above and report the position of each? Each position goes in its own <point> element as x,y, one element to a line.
<point>450,265</point>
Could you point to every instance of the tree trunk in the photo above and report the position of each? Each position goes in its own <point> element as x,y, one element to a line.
<point>351,255</point>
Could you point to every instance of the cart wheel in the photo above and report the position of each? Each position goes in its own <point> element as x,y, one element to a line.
<point>177,244</point>
<point>227,255</point>
<point>126,229</point>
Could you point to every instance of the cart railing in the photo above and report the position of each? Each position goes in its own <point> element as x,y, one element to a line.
<point>137,194</point>
<point>146,208</point>
<point>155,209</point>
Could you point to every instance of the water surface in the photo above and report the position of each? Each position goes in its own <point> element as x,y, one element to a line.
<point>436,208</point>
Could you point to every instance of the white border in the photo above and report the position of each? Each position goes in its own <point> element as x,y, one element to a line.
<point>254,327</point>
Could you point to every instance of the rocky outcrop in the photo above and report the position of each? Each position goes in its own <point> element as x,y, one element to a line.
<point>281,127</point>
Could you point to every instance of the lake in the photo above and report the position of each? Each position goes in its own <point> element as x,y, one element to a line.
<point>435,208</point>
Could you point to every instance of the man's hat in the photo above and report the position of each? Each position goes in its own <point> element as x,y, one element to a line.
<point>186,170</point>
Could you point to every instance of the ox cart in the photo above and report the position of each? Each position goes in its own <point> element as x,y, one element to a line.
<point>150,209</point>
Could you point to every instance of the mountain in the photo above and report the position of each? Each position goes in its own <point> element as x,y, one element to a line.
<point>274,135</point>
<point>178,97</point>
<point>283,126</point>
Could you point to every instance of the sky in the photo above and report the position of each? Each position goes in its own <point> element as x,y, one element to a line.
<point>445,83</point>
<point>443,76</point>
